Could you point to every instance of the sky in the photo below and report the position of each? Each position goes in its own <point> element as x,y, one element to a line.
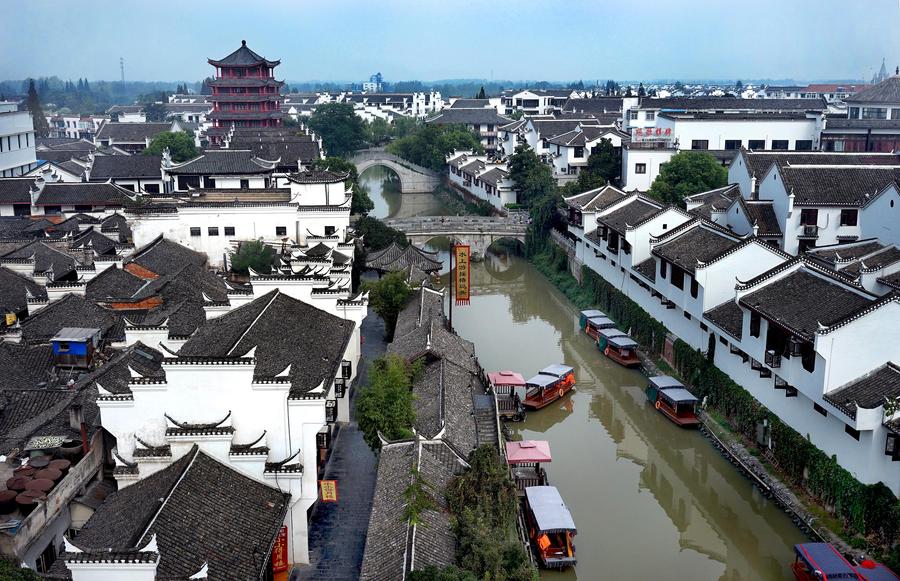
<point>553,40</point>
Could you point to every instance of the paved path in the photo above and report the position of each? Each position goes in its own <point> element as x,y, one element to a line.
<point>337,534</point>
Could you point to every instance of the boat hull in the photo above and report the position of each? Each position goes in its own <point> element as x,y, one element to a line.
<point>550,396</point>
<point>632,361</point>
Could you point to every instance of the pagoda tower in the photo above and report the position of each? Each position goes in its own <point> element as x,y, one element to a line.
<point>244,93</point>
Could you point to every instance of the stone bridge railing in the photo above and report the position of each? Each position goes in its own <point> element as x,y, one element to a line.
<point>413,178</point>
<point>460,225</point>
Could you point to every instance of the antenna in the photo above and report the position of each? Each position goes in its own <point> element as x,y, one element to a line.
<point>122,68</point>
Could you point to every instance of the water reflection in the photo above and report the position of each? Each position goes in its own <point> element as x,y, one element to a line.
<point>384,189</point>
<point>652,501</point>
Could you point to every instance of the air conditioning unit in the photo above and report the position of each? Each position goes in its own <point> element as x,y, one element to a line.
<point>794,346</point>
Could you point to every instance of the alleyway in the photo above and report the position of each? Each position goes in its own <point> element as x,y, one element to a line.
<point>337,534</point>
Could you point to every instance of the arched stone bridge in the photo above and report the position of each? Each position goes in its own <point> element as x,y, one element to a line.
<point>414,179</point>
<point>479,232</point>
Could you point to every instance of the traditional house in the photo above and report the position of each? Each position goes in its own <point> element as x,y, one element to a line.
<point>136,173</point>
<point>131,137</point>
<point>483,121</point>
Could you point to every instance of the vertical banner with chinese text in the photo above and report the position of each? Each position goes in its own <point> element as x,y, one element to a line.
<point>280,552</point>
<point>329,490</point>
<point>461,254</point>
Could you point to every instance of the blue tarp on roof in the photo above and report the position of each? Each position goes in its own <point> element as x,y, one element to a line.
<point>542,380</point>
<point>825,559</point>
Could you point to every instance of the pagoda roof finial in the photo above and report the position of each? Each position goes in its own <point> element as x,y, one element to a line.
<point>243,43</point>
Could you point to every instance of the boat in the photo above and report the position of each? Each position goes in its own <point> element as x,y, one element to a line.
<point>818,561</point>
<point>594,325</point>
<point>509,389</point>
<point>550,384</point>
<point>622,350</point>
<point>550,527</point>
<point>672,400</point>
<point>588,314</point>
<point>525,459</point>
<point>604,335</point>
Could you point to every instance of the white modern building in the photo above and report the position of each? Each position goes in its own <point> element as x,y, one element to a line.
<point>482,179</point>
<point>17,141</point>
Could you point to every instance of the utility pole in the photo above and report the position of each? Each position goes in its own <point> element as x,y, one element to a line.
<point>122,69</point>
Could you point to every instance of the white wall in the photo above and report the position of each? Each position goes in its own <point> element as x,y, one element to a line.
<point>653,160</point>
<point>718,131</point>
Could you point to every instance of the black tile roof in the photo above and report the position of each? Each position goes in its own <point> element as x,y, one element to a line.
<point>631,213</point>
<point>762,214</point>
<point>131,132</point>
<point>424,306</point>
<point>736,116</point>
<point>835,254</point>
<point>647,269</point>
<point>869,391</point>
<point>695,246</point>
<point>892,280</point>
<point>397,258</point>
<point>728,316</point>
<point>549,128</point>
<point>837,186</point>
<point>288,152</point>
<point>802,301</point>
<point>107,167</point>
<point>242,57</point>
<point>114,375</point>
<point>471,104</point>
<point>476,116</point>
<point>285,332</point>
<point>24,366</point>
<point>716,200</point>
<point>14,290</point>
<point>201,511</point>
<point>596,199</point>
<point>223,162</point>
<point>493,175</point>
<point>831,125</point>
<point>46,257</point>
<point>16,190</point>
<point>90,194</point>
<point>594,105</point>
<point>113,282</point>
<point>71,311</point>
<point>759,162</point>
<point>318,176</point>
<point>887,91</point>
<point>872,262</point>
<point>91,239</point>
<point>163,256</point>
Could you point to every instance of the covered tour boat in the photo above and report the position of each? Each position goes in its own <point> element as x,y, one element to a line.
<point>549,385</point>
<point>550,527</point>
<point>818,561</point>
<point>622,350</point>
<point>588,314</point>
<point>604,335</point>
<point>509,389</point>
<point>525,459</point>
<point>672,400</point>
<point>596,324</point>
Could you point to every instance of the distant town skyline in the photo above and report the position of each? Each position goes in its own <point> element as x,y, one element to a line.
<point>349,40</point>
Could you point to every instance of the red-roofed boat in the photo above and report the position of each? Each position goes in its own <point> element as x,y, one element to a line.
<point>525,459</point>
<point>509,389</point>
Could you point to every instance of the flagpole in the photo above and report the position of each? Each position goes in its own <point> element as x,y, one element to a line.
<point>452,282</point>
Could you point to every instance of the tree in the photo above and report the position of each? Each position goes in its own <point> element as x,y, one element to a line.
<point>41,127</point>
<point>533,178</point>
<point>386,404</point>
<point>687,173</point>
<point>387,297</point>
<point>403,126</point>
<point>451,573</point>
<point>362,204</point>
<point>739,87</point>
<point>378,131</point>
<point>254,254</point>
<point>206,87</point>
<point>628,93</point>
<point>642,92</point>
<point>481,94</point>
<point>155,112</point>
<point>429,144</point>
<point>9,571</point>
<point>377,235</point>
<point>341,130</point>
<point>179,143</point>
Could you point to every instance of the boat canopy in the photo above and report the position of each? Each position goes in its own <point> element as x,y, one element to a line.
<point>623,342</point>
<point>549,510</point>
<point>872,571</point>
<point>825,560</point>
<point>506,378</point>
<point>677,395</point>
<point>612,332</point>
<point>527,451</point>
<point>557,370</point>
<point>601,322</point>
<point>591,313</point>
<point>543,380</point>
<point>665,382</point>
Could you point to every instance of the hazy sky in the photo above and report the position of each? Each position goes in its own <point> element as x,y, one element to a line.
<point>430,40</point>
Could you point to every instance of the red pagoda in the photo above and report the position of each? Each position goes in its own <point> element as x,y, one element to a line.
<point>244,93</point>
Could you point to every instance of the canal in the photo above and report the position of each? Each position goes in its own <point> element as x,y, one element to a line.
<point>651,500</point>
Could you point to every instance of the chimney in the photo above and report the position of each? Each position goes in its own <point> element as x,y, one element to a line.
<point>76,416</point>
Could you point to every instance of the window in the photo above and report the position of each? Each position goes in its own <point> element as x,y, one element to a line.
<point>695,287</point>
<point>640,168</point>
<point>633,115</point>
<point>780,144</point>
<point>330,230</point>
<point>895,113</point>
<point>663,267</point>
<point>849,217</point>
<point>52,209</point>
<point>854,113</point>
<point>732,144</point>
<point>700,144</point>
<point>677,277</point>
<point>703,327</point>
<point>651,115</point>
<point>755,322</point>
<point>722,340</point>
<point>687,315</point>
<point>851,432</point>
<point>151,188</point>
<point>820,409</point>
<point>129,187</point>
<point>803,145</point>
<point>213,231</point>
<point>229,230</point>
<point>579,151</point>
<point>245,184</point>
<point>874,113</point>
<point>756,144</point>
<point>810,216</point>
<point>195,231</point>
<point>83,208</point>
<point>280,230</point>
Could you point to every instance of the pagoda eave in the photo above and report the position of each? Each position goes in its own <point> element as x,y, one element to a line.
<point>245,82</point>
<point>268,63</point>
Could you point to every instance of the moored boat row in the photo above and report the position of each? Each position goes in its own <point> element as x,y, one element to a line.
<point>820,561</point>
<point>612,342</point>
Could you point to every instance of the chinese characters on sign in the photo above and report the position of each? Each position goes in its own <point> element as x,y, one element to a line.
<point>461,253</point>
<point>329,490</point>
<point>280,552</point>
<point>651,133</point>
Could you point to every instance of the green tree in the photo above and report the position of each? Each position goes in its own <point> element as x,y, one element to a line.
<point>378,131</point>
<point>739,87</point>
<point>403,126</point>
<point>341,130</point>
<point>362,204</point>
<point>533,178</point>
<point>41,127</point>
<point>451,573</point>
<point>180,145</point>
<point>9,571</point>
<point>481,94</point>
<point>687,173</point>
<point>430,144</point>
<point>386,404</point>
<point>604,165</point>
<point>642,92</point>
<point>155,112</point>
<point>387,297</point>
<point>253,254</point>
<point>377,235</point>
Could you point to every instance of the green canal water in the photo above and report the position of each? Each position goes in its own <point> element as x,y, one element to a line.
<point>650,500</point>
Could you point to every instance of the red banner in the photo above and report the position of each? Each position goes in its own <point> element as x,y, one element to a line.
<point>461,253</point>
<point>280,552</point>
<point>329,491</point>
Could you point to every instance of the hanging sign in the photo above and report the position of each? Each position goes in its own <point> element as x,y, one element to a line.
<point>280,552</point>
<point>329,491</point>
<point>461,254</point>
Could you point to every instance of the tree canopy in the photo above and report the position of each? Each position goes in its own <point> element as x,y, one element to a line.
<point>533,178</point>
<point>386,404</point>
<point>687,173</point>
<point>429,144</point>
<point>41,127</point>
<point>253,254</point>
<point>341,130</point>
<point>155,112</point>
<point>387,297</point>
<point>362,203</point>
<point>180,144</point>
